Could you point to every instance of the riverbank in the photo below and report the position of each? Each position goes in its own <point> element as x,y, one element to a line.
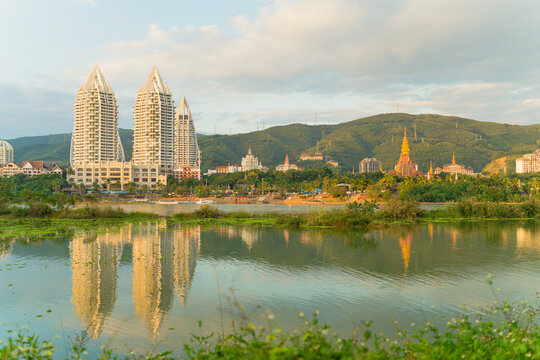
<point>503,331</point>
<point>367,215</point>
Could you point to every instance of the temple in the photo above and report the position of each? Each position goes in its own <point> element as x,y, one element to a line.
<point>454,168</point>
<point>405,166</point>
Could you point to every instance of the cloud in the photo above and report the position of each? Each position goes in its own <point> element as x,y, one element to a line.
<point>470,58</point>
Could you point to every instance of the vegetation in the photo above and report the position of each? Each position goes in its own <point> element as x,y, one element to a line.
<point>475,143</point>
<point>505,331</point>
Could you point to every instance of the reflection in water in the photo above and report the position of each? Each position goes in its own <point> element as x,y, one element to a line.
<point>187,244</point>
<point>405,242</point>
<point>527,239</point>
<point>153,282</point>
<point>164,262</point>
<point>95,259</point>
<point>6,247</point>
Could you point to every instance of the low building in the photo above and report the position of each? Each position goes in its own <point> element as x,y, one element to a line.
<point>187,172</point>
<point>332,163</point>
<point>454,168</point>
<point>528,163</point>
<point>369,165</point>
<point>118,172</point>
<point>30,168</point>
<point>286,166</point>
<point>315,157</point>
<point>228,168</point>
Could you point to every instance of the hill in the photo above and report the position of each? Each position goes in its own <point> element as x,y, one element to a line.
<point>431,138</point>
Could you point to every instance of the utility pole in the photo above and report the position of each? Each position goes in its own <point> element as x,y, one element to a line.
<point>414,131</point>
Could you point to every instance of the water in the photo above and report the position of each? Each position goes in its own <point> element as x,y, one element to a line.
<point>147,285</point>
<point>171,209</point>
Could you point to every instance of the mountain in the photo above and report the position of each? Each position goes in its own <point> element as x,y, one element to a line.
<point>431,138</point>
<point>56,147</point>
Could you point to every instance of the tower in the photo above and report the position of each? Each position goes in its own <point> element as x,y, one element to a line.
<point>153,136</point>
<point>186,148</point>
<point>405,167</point>
<point>95,135</point>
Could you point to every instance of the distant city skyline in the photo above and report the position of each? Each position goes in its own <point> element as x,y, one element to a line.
<point>255,63</point>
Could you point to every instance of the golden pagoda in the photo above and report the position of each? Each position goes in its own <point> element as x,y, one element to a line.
<point>405,167</point>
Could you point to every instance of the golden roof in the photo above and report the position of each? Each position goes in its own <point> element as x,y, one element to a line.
<point>405,146</point>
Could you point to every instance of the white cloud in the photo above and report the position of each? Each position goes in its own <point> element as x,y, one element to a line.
<point>470,58</point>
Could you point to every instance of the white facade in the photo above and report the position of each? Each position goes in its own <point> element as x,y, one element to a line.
<point>528,163</point>
<point>369,165</point>
<point>95,135</point>
<point>250,162</point>
<point>186,147</point>
<point>153,136</point>
<point>6,152</point>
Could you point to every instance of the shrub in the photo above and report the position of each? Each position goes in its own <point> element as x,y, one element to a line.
<point>400,209</point>
<point>207,212</point>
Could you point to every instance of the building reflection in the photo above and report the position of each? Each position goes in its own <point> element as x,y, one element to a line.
<point>526,239</point>
<point>153,269</point>
<point>6,247</point>
<point>187,243</point>
<point>163,263</point>
<point>95,259</point>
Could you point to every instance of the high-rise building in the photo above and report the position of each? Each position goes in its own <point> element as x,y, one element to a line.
<point>186,148</point>
<point>6,152</point>
<point>153,117</point>
<point>369,165</point>
<point>95,135</point>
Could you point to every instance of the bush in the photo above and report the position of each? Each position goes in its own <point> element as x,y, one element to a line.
<point>291,221</point>
<point>531,208</point>
<point>207,212</point>
<point>396,209</point>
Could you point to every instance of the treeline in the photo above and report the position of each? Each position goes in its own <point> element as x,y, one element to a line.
<point>379,186</point>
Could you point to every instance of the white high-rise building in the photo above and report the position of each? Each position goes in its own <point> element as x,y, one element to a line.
<point>6,152</point>
<point>95,135</point>
<point>186,148</point>
<point>153,117</point>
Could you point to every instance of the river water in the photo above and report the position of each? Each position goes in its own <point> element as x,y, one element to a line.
<point>147,285</point>
<point>171,209</point>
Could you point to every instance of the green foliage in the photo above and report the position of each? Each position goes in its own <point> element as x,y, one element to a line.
<point>207,212</point>
<point>26,347</point>
<point>505,331</point>
<point>471,208</point>
<point>367,207</point>
<point>397,209</point>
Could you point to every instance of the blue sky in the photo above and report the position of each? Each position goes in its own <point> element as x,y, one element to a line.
<point>248,63</point>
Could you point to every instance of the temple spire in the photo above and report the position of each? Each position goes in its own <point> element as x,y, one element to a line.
<point>405,146</point>
<point>249,150</point>
<point>287,159</point>
<point>453,159</point>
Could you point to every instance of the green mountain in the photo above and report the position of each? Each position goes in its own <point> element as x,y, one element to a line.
<point>431,138</point>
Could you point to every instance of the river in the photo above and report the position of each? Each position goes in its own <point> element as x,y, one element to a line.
<point>147,285</point>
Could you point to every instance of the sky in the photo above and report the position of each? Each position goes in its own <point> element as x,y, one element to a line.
<point>245,65</point>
